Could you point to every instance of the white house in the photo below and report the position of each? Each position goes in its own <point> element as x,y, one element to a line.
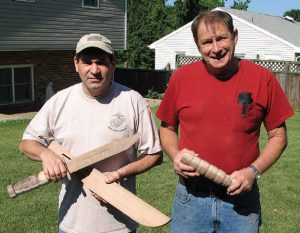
<point>261,36</point>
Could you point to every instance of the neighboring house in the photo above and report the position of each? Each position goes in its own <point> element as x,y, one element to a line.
<point>37,44</point>
<point>261,36</point>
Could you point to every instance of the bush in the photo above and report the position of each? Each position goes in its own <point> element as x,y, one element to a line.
<point>154,94</point>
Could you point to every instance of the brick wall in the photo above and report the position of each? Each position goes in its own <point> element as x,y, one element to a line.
<point>55,66</point>
<point>58,67</point>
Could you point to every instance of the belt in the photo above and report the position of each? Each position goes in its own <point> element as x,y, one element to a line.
<point>202,187</point>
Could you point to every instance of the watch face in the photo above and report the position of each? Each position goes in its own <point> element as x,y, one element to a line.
<point>257,175</point>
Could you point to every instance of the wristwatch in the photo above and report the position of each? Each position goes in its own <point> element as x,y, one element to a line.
<point>255,171</point>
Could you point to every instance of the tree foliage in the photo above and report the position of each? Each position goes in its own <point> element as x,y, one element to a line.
<point>295,13</point>
<point>148,21</point>
<point>241,5</point>
<point>186,10</point>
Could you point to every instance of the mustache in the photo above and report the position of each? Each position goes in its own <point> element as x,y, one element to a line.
<point>97,76</point>
<point>218,56</point>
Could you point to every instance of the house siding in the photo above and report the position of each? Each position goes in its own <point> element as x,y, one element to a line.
<point>166,50</point>
<point>58,24</point>
<point>252,42</point>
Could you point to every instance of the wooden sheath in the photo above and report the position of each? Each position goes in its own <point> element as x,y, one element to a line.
<point>125,201</point>
<point>73,164</point>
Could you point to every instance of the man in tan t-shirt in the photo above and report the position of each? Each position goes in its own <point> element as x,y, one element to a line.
<point>83,117</point>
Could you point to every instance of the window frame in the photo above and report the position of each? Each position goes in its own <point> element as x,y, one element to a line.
<point>13,83</point>
<point>91,7</point>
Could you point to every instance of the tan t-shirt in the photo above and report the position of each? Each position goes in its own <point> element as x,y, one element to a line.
<point>81,124</point>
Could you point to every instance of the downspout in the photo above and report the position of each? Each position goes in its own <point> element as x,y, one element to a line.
<point>125,36</point>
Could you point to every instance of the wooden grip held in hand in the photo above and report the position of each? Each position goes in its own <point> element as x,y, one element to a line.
<point>27,184</point>
<point>206,169</point>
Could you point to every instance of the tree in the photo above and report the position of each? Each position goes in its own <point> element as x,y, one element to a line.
<point>295,13</point>
<point>147,22</point>
<point>186,10</point>
<point>241,5</point>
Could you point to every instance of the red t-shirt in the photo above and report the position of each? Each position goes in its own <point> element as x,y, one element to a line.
<point>210,116</point>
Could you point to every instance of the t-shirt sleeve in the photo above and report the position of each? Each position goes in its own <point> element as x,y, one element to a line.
<point>149,140</point>
<point>279,109</point>
<point>167,110</point>
<point>39,128</point>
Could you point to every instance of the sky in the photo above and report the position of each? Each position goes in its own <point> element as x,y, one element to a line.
<point>271,7</point>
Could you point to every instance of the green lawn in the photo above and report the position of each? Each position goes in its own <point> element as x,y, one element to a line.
<point>36,211</point>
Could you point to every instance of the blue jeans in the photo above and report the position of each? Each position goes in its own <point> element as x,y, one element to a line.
<point>210,214</point>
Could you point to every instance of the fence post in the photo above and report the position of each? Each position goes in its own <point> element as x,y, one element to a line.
<point>286,67</point>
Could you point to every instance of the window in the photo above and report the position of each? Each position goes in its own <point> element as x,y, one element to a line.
<point>16,84</point>
<point>90,4</point>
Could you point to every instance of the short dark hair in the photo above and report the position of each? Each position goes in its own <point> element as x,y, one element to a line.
<point>93,51</point>
<point>212,17</point>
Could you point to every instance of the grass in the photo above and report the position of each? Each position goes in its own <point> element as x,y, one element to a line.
<point>280,187</point>
<point>36,211</point>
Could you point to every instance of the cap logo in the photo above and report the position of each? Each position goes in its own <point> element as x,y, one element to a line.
<point>94,38</point>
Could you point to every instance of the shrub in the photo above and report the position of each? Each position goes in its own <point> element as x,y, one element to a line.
<point>154,94</point>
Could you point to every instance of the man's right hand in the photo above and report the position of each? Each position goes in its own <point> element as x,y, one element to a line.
<point>170,144</point>
<point>182,168</point>
<point>53,166</point>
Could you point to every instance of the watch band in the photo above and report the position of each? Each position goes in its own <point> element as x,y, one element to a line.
<point>255,171</point>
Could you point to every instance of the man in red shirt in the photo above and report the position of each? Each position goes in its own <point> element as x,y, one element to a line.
<point>219,104</point>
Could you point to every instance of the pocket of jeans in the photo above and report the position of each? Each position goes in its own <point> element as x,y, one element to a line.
<point>248,123</point>
<point>181,194</point>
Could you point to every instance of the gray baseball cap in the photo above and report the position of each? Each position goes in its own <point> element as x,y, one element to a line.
<point>96,41</point>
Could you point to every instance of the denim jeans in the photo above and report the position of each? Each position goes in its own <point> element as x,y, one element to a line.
<point>210,214</point>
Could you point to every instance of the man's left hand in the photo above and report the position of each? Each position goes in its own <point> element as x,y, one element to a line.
<point>111,177</point>
<point>243,181</point>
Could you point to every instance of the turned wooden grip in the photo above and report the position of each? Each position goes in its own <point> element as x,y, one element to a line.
<point>27,184</point>
<point>206,169</point>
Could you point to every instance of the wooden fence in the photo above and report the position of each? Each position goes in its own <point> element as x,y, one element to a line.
<point>143,80</point>
<point>286,72</point>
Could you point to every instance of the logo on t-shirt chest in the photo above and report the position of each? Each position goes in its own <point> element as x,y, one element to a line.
<point>117,123</point>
